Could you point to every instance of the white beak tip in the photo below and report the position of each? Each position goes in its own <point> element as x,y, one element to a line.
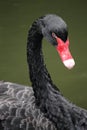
<point>70,63</point>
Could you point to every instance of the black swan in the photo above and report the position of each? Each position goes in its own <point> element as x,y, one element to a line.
<point>43,107</point>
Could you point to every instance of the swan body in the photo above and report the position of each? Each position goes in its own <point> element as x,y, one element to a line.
<point>18,110</point>
<point>42,106</point>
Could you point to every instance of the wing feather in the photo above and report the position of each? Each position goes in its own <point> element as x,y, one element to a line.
<point>18,110</point>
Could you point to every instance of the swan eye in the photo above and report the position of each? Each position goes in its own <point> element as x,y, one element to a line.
<point>54,35</point>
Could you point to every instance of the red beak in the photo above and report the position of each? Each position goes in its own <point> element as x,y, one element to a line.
<point>64,52</point>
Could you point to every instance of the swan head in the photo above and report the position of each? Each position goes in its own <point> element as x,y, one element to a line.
<point>54,29</point>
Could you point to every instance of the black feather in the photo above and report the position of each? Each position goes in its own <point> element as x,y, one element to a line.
<point>43,107</point>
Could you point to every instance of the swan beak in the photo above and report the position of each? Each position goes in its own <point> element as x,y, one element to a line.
<point>64,52</point>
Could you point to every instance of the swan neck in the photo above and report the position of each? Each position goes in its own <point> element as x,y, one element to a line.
<point>39,75</point>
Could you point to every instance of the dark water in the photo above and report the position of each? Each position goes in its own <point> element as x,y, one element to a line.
<point>15,18</point>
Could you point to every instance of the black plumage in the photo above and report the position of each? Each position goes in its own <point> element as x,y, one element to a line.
<point>43,107</point>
